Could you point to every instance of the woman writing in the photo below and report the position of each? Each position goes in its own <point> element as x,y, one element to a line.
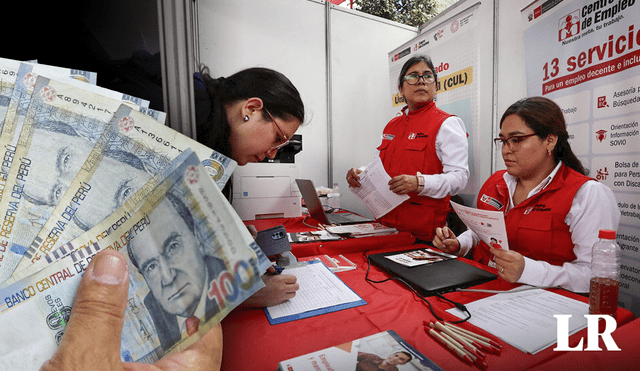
<point>424,151</point>
<point>248,116</point>
<point>553,211</point>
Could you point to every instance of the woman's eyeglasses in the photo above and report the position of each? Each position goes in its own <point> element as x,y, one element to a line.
<point>414,78</point>
<point>283,137</point>
<point>512,142</point>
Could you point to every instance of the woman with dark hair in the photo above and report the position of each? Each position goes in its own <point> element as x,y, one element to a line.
<point>553,211</point>
<point>424,151</point>
<point>249,116</point>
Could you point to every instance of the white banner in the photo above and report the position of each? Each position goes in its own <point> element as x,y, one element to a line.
<point>585,55</point>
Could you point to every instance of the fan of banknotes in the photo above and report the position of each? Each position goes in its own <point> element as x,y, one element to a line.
<point>85,169</point>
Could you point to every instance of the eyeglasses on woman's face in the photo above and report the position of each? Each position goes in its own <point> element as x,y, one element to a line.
<point>414,78</point>
<point>282,139</point>
<point>512,142</point>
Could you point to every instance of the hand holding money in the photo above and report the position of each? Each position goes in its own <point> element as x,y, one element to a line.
<point>93,335</point>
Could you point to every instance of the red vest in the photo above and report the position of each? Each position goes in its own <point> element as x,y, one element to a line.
<point>408,146</point>
<point>535,227</point>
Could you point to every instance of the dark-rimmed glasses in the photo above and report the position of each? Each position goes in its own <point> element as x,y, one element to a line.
<point>414,78</point>
<point>284,140</point>
<point>512,142</point>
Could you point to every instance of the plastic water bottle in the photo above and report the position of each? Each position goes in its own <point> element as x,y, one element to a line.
<point>605,268</point>
<point>335,188</point>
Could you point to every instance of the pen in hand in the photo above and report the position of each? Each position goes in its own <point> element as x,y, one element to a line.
<point>274,270</point>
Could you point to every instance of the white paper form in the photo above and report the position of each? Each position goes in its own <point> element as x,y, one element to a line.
<point>374,190</point>
<point>525,319</point>
<point>488,225</point>
<point>319,289</point>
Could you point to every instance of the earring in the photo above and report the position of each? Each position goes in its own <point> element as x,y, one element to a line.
<point>549,152</point>
<point>246,118</point>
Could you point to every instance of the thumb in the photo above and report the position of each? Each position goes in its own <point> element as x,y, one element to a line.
<point>92,336</point>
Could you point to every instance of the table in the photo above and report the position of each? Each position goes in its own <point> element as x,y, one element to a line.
<point>250,342</point>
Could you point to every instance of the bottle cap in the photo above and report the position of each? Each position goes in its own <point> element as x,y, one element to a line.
<point>607,234</point>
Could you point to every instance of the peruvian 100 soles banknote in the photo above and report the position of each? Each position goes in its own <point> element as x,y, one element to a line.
<point>131,151</point>
<point>60,128</point>
<point>185,233</point>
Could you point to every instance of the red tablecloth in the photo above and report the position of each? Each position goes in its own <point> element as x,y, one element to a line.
<point>250,342</point>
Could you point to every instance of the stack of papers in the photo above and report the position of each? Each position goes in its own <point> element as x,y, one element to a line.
<point>312,236</point>
<point>525,319</point>
<point>362,230</point>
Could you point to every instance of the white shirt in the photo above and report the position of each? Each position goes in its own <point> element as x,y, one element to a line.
<point>452,149</point>
<point>594,207</point>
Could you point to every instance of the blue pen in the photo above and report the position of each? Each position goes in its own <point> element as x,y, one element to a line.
<point>275,269</point>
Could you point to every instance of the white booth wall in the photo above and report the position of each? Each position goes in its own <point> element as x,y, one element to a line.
<point>349,70</point>
<point>338,60</point>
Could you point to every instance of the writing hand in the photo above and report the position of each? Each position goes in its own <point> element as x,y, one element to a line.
<point>446,241</point>
<point>278,289</point>
<point>510,264</point>
<point>92,338</point>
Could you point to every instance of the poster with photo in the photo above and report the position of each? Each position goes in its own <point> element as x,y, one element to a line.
<point>585,56</point>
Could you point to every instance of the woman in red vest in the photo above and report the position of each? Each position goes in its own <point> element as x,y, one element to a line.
<point>553,211</point>
<point>424,151</point>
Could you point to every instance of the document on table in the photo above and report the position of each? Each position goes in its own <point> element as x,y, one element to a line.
<point>374,190</point>
<point>321,291</point>
<point>525,319</point>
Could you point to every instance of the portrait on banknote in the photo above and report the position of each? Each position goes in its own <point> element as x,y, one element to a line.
<point>61,149</point>
<point>171,256</point>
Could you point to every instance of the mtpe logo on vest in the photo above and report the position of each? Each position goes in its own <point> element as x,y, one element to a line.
<point>417,135</point>
<point>538,207</point>
<point>491,201</point>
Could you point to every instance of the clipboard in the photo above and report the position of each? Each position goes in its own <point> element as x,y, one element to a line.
<point>294,308</point>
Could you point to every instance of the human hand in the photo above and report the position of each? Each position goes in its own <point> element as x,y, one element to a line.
<point>353,177</point>
<point>253,230</point>
<point>510,264</point>
<point>403,184</point>
<point>92,337</point>
<point>446,241</point>
<point>278,289</point>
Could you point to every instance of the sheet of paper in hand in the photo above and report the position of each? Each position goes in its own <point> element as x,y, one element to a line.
<point>131,151</point>
<point>185,223</point>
